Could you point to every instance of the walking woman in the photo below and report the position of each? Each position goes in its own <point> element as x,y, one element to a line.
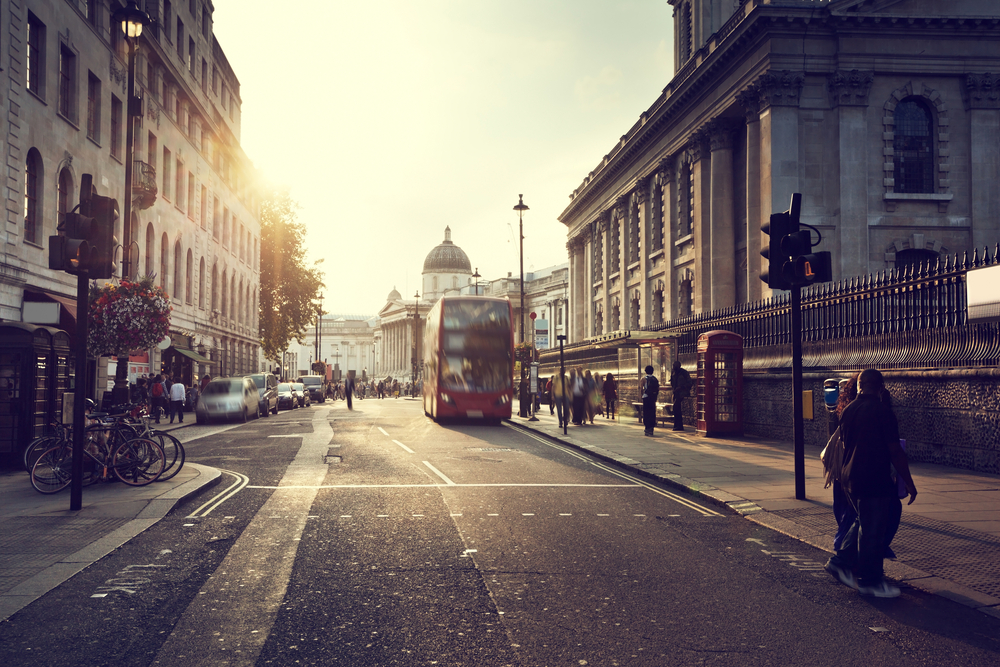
<point>610,396</point>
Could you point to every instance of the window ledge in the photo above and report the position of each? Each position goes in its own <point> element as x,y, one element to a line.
<point>655,254</point>
<point>684,239</point>
<point>613,276</point>
<point>633,266</point>
<point>916,196</point>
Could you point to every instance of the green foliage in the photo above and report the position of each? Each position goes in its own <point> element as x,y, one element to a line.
<point>288,288</point>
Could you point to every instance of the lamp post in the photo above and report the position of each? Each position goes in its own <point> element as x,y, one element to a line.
<point>522,409</point>
<point>477,277</point>
<point>319,327</point>
<point>132,20</point>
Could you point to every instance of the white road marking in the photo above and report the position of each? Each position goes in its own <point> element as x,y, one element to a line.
<point>237,486</point>
<point>701,509</point>
<point>407,449</point>
<point>249,585</point>
<point>383,431</point>
<point>288,435</point>
<point>434,486</point>
<point>439,473</point>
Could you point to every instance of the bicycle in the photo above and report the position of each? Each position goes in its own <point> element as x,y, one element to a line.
<point>135,462</point>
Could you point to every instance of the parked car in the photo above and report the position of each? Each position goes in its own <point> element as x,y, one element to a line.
<point>316,387</point>
<point>303,394</point>
<point>228,398</point>
<point>267,386</point>
<point>287,400</point>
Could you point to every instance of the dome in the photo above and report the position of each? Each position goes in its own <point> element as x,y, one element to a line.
<point>447,258</point>
<point>394,295</point>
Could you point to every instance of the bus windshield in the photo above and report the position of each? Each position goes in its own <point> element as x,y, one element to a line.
<point>476,346</point>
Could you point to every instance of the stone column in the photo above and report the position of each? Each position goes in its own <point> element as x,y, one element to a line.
<point>984,131</point>
<point>668,177</point>
<point>605,232</point>
<point>723,237</point>
<point>642,200</point>
<point>779,141</point>
<point>701,175</point>
<point>621,289</point>
<point>750,101</point>
<point>849,96</point>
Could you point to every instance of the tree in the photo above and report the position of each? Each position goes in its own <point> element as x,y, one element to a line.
<point>288,288</point>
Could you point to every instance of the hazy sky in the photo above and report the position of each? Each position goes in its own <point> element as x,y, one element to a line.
<point>389,120</point>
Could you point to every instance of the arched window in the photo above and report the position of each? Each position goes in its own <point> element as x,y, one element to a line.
<point>434,284</point>
<point>685,200</point>
<point>189,278</point>
<point>685,297</point>
<point>238,315</point>
<point>233,312</point>
<point>164,260</point>
<point>64,195</point>
<point>215,288</point>
<point>616,314</point>
<point>178,255</point>
<point>150,234</point>
<point>915,257</point>
<point>634,308</point>
<point>225,293</point>
<point>913,148</point>
<point>201,283</point>
<point>32,195</point>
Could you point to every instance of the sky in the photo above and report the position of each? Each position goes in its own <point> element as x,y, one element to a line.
<point>388,120</point>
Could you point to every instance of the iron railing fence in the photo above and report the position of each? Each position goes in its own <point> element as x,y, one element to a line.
<point>908,318</point>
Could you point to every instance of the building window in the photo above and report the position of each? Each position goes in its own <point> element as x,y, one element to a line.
<point>204,207</point>
<point>201,283</point>
<point>67,83</point>
<point>204,76</point>
<point>180,39</point>
<point>616,236</point>
<point>685,297</point>
<point>633,230</point>
<point>189,277</point>
<point>32,195</point>
<point>616,315</point>
<point>64,196</point>
<point>164,260</point>
<point>206,23</point>
<point>685,201</point>
<point>149,248</point>
<point>116,127</point>
<point>92,12</point>
<point>167,157</point>
<point>151,152</point>
<point>687,33</point>
<point>35,68</point>
<point>216,230</point>
<point>167,18</point>
<point>191,58</point>
<point>93,107</point>
<point>177,271</point>
<point>913,148</point>
<point>215,80</point>
<point>179,183</point>
<point>226,233</point>
<point>215,288</point>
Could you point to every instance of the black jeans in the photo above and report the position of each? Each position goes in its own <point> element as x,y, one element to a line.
<point>678,414</point>
<point>865,541</point>
<point>649,415</point>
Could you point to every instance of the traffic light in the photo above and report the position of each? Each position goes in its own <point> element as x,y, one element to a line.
<point>777,228</point>
<point>102,236</point>
<point>805,266</point>
<point>71,252</point>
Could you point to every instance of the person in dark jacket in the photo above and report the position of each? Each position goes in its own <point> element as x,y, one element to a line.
<point>680,383</point>
<point>610,396</point>
<point>871,443</point>
<point>649,390</point>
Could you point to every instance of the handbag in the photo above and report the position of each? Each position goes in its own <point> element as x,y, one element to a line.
<point>832,457</point>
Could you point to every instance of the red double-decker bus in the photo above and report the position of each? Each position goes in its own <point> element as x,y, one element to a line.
<point>469,358</point>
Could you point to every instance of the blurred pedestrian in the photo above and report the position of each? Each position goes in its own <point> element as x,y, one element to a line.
<point>177,396</point>
<point>158,397</point>
<point>680,383</point>
<point>649,389</point>
<point>610,396</point>
<point>591,397</point>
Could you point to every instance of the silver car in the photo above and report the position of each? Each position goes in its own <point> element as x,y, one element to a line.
<point>228,398</point>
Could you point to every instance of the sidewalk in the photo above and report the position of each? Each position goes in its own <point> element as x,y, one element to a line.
<point>43,543</point>
<point>948,542</point>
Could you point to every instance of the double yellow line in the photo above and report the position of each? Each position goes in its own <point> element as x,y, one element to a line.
<point>237,486</point>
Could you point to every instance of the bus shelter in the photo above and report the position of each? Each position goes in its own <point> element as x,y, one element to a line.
<point>636,350</point>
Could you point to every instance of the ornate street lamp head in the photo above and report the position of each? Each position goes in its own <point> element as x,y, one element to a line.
<point>520,204</point>
<point>132,19</point>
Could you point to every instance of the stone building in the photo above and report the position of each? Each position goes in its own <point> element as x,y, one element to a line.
<point>195,217</point>
<point>346,344</point>
<point>446,269</point>
<point>884,114</point>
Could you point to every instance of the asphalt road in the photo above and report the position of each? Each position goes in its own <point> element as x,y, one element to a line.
<point>376,537</point>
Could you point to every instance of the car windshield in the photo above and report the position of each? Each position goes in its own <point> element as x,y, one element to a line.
<point>257,380</point>
<point>298,386</point>
<point>284,387</point>
<point>312,381</point>
<point>228,386</point>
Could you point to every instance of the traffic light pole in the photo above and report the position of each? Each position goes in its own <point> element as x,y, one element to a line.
<point>79,392</point>
<point>798,427</point>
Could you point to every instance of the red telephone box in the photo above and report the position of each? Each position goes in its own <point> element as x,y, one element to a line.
<point>720,383</point>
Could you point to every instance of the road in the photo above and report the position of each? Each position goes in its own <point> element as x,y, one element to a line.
<point>376,537</point>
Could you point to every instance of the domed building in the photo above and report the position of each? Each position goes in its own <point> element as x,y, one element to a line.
<point>446,268</point>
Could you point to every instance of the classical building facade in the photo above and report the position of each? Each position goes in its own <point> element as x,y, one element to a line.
<point>400,327</point>
<point>195,214</point>
<point>446,269</point>
<point>346,343</point>
<point>884,114</point>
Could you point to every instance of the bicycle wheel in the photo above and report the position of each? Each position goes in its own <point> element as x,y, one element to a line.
<point>37,447</point>
<point>137,462</point>
<point>53,471</point>
<point>173,451</point>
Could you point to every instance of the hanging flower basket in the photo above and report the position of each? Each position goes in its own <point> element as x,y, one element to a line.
<point>126,317</point>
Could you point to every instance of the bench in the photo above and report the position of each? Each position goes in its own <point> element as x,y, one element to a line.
<point>664,412</point>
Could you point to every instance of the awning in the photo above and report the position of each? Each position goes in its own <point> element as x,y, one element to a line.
<point>68,303</point>
<point>191,354</point>
<point>620,338</point>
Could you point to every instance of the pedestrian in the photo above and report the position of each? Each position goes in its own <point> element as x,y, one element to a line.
<point>141,391</point>
<point>610,396</point>
<point>559,396</point>
<point>590,395</point>
<point>204,382</point>
<point>843,511</point>
<point>177,396</point>
<point>551,399</point>
<point>348,391</point>
<point>680,383</point>
<point>158,397</point>
<point>649,389</point>
<point>871,443</point>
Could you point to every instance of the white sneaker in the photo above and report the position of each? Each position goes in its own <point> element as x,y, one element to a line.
<point>880,590</point>
<point>844,576</point>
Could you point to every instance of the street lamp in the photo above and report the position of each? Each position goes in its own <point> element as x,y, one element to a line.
<point>477,277</point>
<point>132,20</point>
<point>416,344</point>
<point>319,329</point>
<point>521,208</point>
